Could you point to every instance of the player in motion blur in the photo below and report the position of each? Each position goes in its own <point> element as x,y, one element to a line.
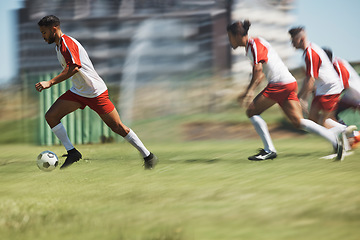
<point>351,95</point>
<point>321,77</point>
<point>281,89</point>
<point>88,90</point>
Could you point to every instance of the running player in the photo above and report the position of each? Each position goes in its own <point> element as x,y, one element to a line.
<point>320,75</point>
<point>351,95</point>
<point>88,90</point>
<point>281,89</point>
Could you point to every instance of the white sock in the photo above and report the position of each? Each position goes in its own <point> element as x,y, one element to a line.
<point>60,132</point>
<point>263,131</point>
<point>313,127</point>
<point>335,126</point>
<point>134,140</point>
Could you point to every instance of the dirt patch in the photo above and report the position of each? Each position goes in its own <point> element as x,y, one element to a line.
<point>229,130</point>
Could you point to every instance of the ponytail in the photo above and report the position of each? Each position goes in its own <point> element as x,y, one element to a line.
<point>246,26</point>
<point>238,27</point>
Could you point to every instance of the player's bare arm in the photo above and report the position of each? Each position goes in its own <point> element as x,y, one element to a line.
<point>258,75</point>
<point>307,87</point>
<point>68,72</point>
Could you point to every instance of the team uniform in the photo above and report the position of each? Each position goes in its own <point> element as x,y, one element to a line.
<point>351,83</point>
<point>88,88</point>
<point>351,95</point>
<point>281,84</point>
<point>327,83</point>
<point>282,87</point>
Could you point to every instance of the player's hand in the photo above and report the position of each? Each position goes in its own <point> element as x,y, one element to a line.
<point>42,85</point>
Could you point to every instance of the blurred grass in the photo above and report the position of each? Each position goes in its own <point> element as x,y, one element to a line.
<point>18,131</point>
<point>200,190</point>
<point>170,128</point>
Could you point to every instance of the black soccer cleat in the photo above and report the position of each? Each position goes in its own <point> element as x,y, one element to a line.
<point>72,156</point>
<point>150,161</point>
<point>340,152</point>
<point>263,155</point>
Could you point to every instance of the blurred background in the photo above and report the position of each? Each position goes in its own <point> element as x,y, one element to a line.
<point>163,60</point>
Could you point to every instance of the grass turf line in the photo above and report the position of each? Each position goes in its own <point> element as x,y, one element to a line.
<point>199,190</point>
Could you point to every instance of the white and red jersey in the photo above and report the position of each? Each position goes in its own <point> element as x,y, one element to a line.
<point>350,79</point>
<point>259,50</point>
<point>86,82</point>
<point>319,66</point>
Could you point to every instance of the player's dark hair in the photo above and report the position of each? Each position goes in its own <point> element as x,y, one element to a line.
<point>239,27</point>
<point>294,31</point>
<point>49,21</point>
<point>328,52</point>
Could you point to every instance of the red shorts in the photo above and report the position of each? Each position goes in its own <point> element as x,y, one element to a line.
<point>326,102</point>
<point>100,104</point>
<point>281,92</point>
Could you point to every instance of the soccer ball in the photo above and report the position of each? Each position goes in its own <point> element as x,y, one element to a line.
<point>47,161</point>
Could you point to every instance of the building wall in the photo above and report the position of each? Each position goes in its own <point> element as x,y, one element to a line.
<point>106,29</point>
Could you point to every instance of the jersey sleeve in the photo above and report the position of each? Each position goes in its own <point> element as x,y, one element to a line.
<point>257,52</point>
<point>313,63</point>
<point>70,50</point>
<point>342,72</point>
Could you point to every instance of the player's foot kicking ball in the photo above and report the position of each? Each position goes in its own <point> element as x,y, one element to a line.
<point>72,156</point>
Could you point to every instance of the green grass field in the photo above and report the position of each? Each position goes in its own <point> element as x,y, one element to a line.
<point>201,190</point>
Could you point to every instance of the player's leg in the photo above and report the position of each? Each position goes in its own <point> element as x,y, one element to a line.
<point>314,113</point>
<point>258,106</point>
<point>53,117</point>
<point>292,109</point>
<point>113,120</point>
<point>342,106</point>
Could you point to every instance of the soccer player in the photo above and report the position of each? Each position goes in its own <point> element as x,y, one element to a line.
<point>351,94</point>
<point>88,90</point>
<point>320,75</point>
<point>281,89</point>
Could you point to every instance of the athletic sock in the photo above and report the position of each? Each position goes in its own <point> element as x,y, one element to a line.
<point>263,131</point>
<point>313,127</point>
<point>134,140</point>
<point>61,134</point>
<point>335,126</point>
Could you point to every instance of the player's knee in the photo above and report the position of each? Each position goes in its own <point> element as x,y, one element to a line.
<point>120,129</point>
<point>50,116</point>
<point>250,113</point>
<point>296,123</point>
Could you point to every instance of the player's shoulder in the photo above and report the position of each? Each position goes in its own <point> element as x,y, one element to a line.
<point>69,39</point>
<point>257,42</point>
<point>313,50</point>
<point>341,60</point>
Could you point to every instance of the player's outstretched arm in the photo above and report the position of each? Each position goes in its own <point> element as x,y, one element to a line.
<point>68,72</point>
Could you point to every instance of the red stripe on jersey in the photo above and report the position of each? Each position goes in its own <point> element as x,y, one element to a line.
<point>259,50</point>
<point>313,62</point>
<point>70,50</point>
<point>342,72</point>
